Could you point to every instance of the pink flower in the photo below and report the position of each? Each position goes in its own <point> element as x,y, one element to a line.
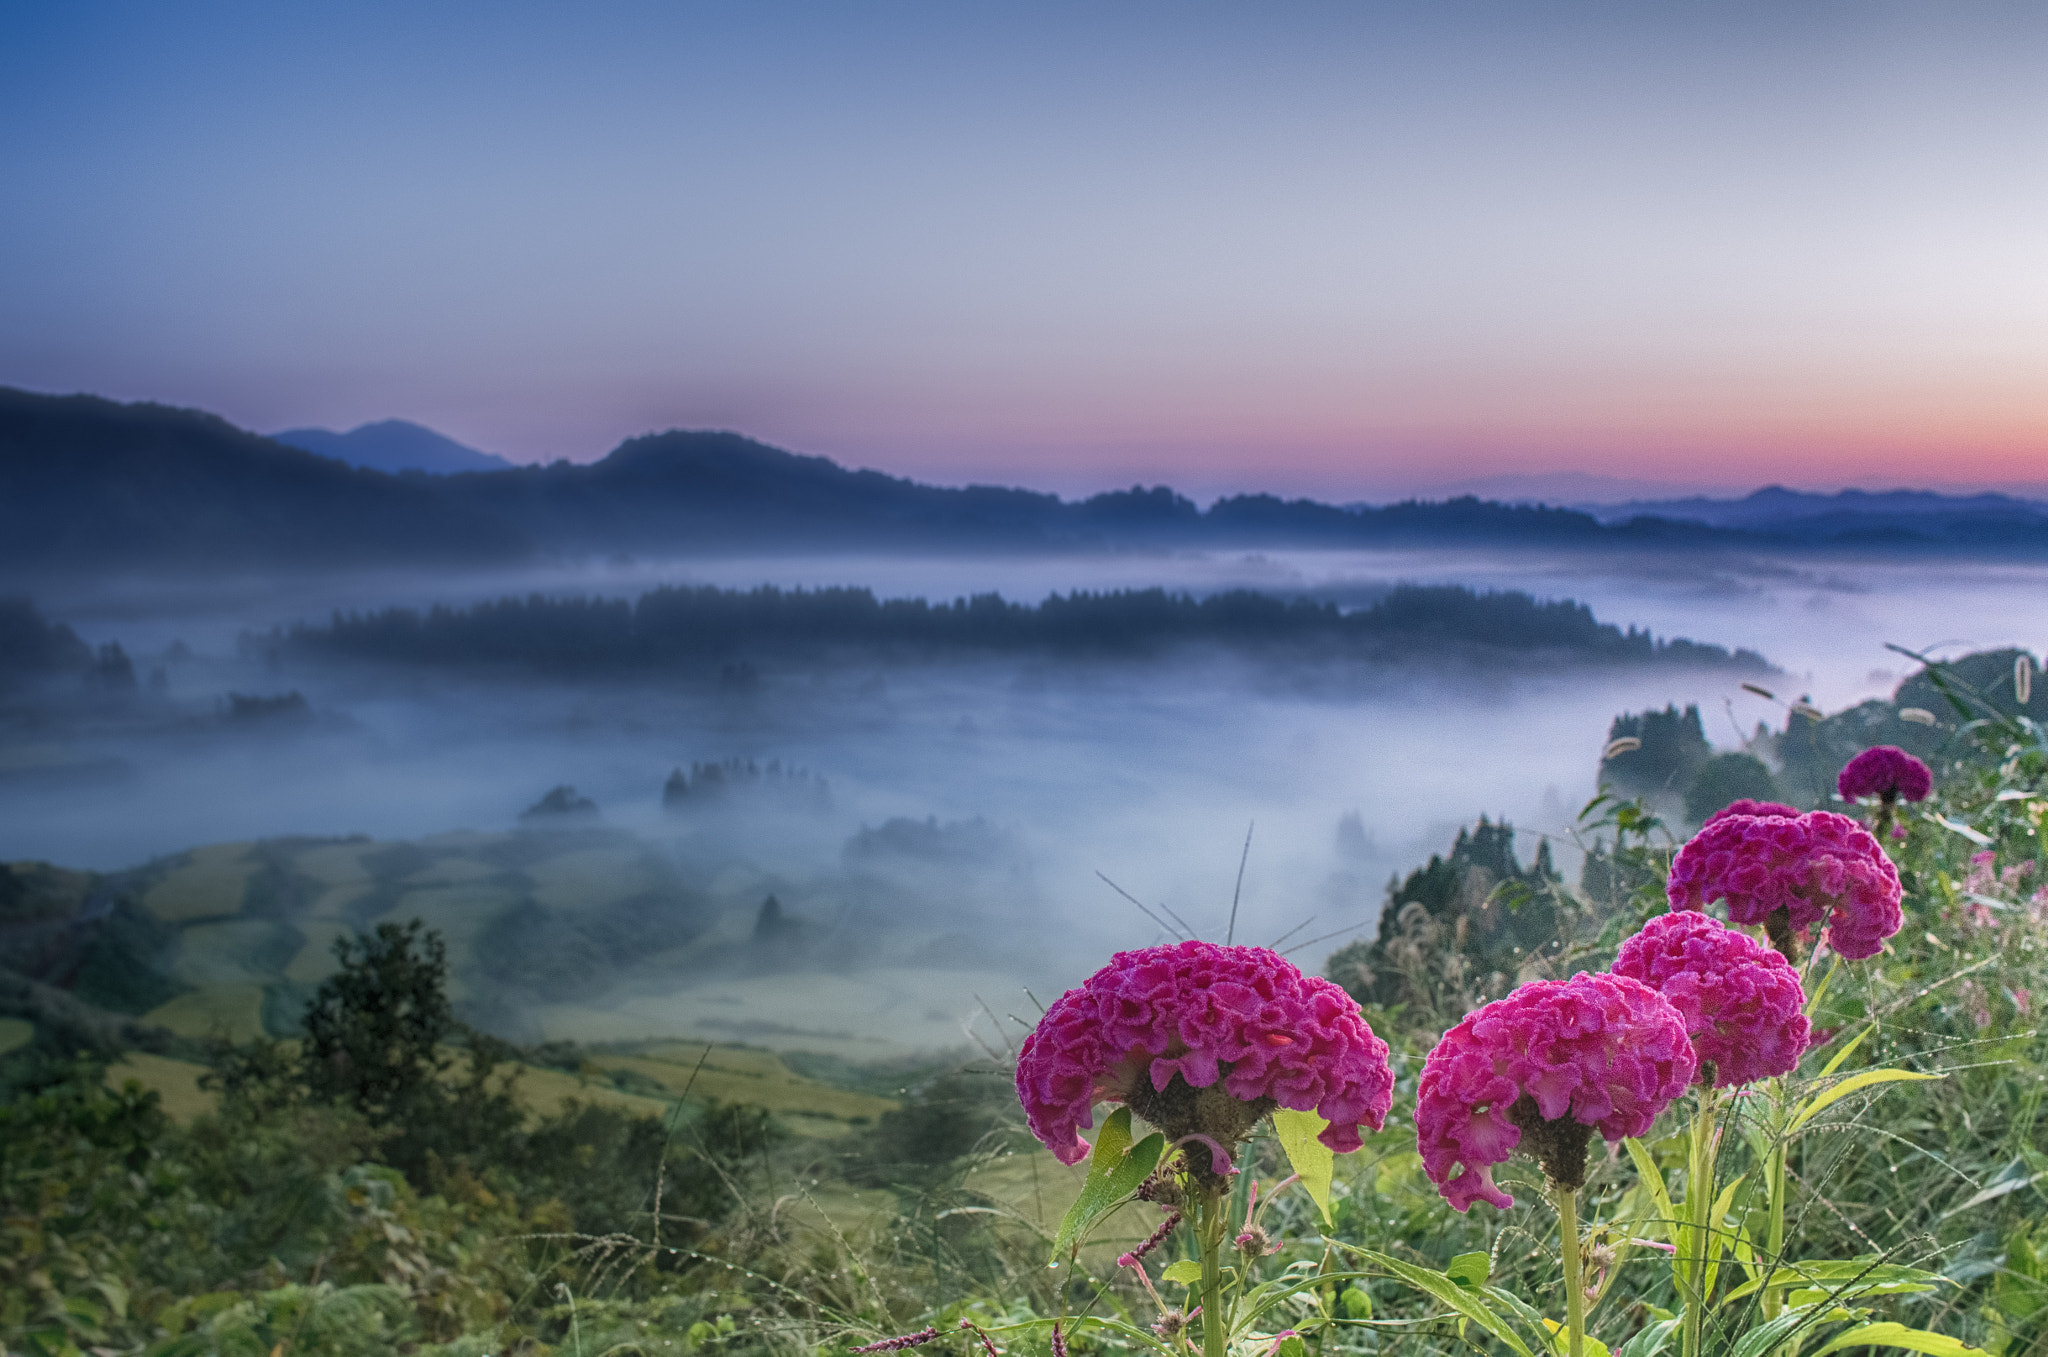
<point>1745,806</point>
<point>1241,1017</point>
<point>1983,875</point>
<point>1817,866</point>
<point>1555,1059</point>
<point>1741,1000</point>
<point>1885,771</point>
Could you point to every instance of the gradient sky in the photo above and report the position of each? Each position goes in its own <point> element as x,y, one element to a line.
<point>1340,249</point>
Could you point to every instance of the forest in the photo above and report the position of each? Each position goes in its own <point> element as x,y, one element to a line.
<point>679,625</point>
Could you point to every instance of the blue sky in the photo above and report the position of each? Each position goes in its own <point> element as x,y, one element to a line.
<point>1340,249</point>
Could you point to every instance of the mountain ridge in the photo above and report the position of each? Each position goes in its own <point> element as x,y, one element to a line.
<point>91,485</point>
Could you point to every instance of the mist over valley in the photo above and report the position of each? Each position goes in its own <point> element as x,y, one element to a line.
<point>712,740</point>
<point>932,821</point>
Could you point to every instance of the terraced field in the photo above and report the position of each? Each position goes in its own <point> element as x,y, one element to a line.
<point>230,1011</point>
<point>583,934</point>
<point>697,1074</point>
<point>208,884</point>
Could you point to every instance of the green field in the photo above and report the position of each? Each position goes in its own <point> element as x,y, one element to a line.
<point>15,1033</point>
<point>233,1011</point>
<point>209,884</point>
<point>736,1074</point>
<point>176,1082</point>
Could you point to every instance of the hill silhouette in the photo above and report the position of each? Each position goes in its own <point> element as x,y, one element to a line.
<point>89,485</point>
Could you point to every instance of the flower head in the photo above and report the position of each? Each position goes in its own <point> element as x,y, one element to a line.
<point>1556,1059</point>
<point>1203,1040</point>
<point>1745,806</point>
<point>1885,771</point>
<point>1816,867</point>
<point>1741,1000</point>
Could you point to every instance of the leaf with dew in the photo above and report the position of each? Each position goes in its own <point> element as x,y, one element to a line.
<point>1115,1169</point>
<point>1820,1102</point>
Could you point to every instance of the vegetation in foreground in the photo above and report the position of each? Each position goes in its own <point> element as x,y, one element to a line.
<point>378,1187</point>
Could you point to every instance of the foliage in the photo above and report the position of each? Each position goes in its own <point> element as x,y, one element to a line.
<point>1462,926</point>
<point>1727,778</point>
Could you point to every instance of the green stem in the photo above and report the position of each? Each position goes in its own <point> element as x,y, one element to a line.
<point>1774,1185</point>
<point>1574,1295</point>
<point>1210,1214</point>
<point>1699,1208</point>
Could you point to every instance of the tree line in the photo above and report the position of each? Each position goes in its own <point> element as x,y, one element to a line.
<point>679,624</point>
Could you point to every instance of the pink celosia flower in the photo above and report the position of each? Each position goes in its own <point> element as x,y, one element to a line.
<point>1815,867</point>
<point>1745,806</point>
<point>1885,771</point>
<point>1555,1059</point>
<point>1157,1024</point>
<point>1741,1000</point>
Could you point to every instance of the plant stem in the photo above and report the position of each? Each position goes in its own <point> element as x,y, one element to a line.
<point>1210,1220</point>
<point>1574,1296</point>
<point>1699,1208</point>
<point>1774,1184</point>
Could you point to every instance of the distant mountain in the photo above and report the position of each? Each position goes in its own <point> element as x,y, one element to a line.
<point>1573,489</point>
<point>1776,507</point>
<point>88,485</point>
<point>393,445</point>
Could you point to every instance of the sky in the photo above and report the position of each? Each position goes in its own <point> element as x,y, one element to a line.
<point>1342,249</point>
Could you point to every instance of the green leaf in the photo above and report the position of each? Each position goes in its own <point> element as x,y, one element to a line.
<point>1653,1339</point>
<point>1851,1277</point>
<point>1887,1334</point>
<point>1290,1346</point>
<point>1466,1303</point>
<point>1859,1080</point>
<point>1357,1302</point>
<point>1114,1171</point>
<point>1311,1158</point>
<point>1766,1336</point>
<point>1807,1295</point>
<point>1653,1179</point>
<point>1188,1272</point>
<point>1142,1337</point>
<point>1254,1304</point>
<point>1469,1270</point>
<point>1560,1342</point>
<point>1518,1308</point>
<point>1995,1191</point>
<point>1835,1061</point>
<point>1717,1233</point>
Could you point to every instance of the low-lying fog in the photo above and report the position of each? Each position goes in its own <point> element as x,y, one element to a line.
<point>1011,783</point>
